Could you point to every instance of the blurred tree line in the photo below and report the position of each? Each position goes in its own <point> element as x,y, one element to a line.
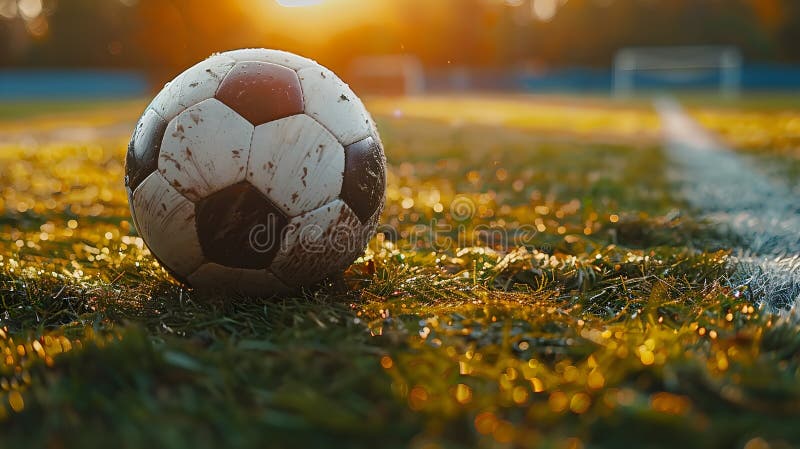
<point>163,35</point>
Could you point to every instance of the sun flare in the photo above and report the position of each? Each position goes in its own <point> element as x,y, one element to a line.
<point>318,20</point>
<point>298,3</point>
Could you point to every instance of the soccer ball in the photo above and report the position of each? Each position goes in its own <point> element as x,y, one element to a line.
<point>255,171</point>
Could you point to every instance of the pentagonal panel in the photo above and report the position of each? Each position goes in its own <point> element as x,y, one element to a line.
<point>205,149</point>
<point>297,163</point>
<point>239,227</point>
<point>283,58</point>
<point>212,277</point>
<point>319,243</point>
<point>166,221</point>
<point>196,84</point>
<point>364,185</point>
<point>261,91</point>
<point>331,102</point>
<point>142,157</point>
<point>260,283</point>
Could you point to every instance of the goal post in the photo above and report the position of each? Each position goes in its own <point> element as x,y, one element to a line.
<point>675,67</point>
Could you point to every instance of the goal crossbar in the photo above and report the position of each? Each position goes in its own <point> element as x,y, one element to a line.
<point>678,61</point>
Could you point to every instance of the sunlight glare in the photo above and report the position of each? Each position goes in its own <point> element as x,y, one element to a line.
<point>30,9</point>
<point>298,3</point>
<point>544,10</point>
<point>8,9</point>
<point>317,21</point>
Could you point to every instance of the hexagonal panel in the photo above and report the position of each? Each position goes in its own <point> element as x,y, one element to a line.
<point>297,163</point>
<point>196,84</point>
<point>261,91</point>
<point>332,103</point>
<point>142,157</point>
<point>205,149</point>
<point>238,227</point>
<point>166,221</point>
<point>364,185</point>
<point>320,243</point>
<point>284,58</point>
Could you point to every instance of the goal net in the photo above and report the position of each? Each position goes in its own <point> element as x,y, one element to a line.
<point>673,68</point>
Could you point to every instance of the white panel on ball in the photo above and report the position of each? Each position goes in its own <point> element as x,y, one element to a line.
<point>205,149</point>
<point>166,222</point>
<point>296,163</point>
<point>198,83</point>
<point>320,242</point>
<point>331,102</point>
<point>129,192</point>
<point>284,58</point>
<point>373,127</point>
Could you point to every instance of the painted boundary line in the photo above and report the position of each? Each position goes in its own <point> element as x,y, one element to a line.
<point>759,211</point>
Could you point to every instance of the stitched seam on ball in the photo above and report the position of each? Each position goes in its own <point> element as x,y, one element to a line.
<point>216,91</point>
<point>249,156</point>
<point>278,277</point>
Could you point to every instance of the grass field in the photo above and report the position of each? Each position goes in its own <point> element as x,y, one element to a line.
<point>546,283</point>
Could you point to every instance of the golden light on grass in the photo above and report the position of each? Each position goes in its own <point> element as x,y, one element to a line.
<point>757,443</point>
<point>485,423</point>
<point>549,117</point>
<point>417,397</point>
<point>519,395</point>
<point>580,403</point>
<point>669,403</point>
<point>722,361</point>
<point>595,380</point>
<point>570,373</point>
<point>463,394</point>
<point>646,356</point>
<point>15,401</point>
<point>558,401</point>
<point>470,306</point>
<point>15,376</point>
<point>573,443</point>
<point>503,432</point>
<point>775,131</point>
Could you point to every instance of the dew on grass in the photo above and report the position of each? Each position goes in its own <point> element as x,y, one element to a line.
<point>604,307</point>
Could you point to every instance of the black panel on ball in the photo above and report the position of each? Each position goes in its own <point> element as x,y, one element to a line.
<point>142,156</point>
<point>364,182</point>
<point>239,227</point>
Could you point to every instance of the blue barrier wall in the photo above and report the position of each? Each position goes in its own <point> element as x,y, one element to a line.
<point>98,84</point>
<point>70,84</point>
<point>754,77</point>
<point>578,79</point>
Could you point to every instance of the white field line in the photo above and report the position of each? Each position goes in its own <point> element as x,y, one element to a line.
<point>760,212</point>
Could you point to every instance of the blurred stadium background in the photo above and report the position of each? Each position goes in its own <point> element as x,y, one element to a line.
<point>124,48</point>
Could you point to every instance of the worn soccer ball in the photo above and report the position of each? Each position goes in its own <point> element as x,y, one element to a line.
<point>255,171</point>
